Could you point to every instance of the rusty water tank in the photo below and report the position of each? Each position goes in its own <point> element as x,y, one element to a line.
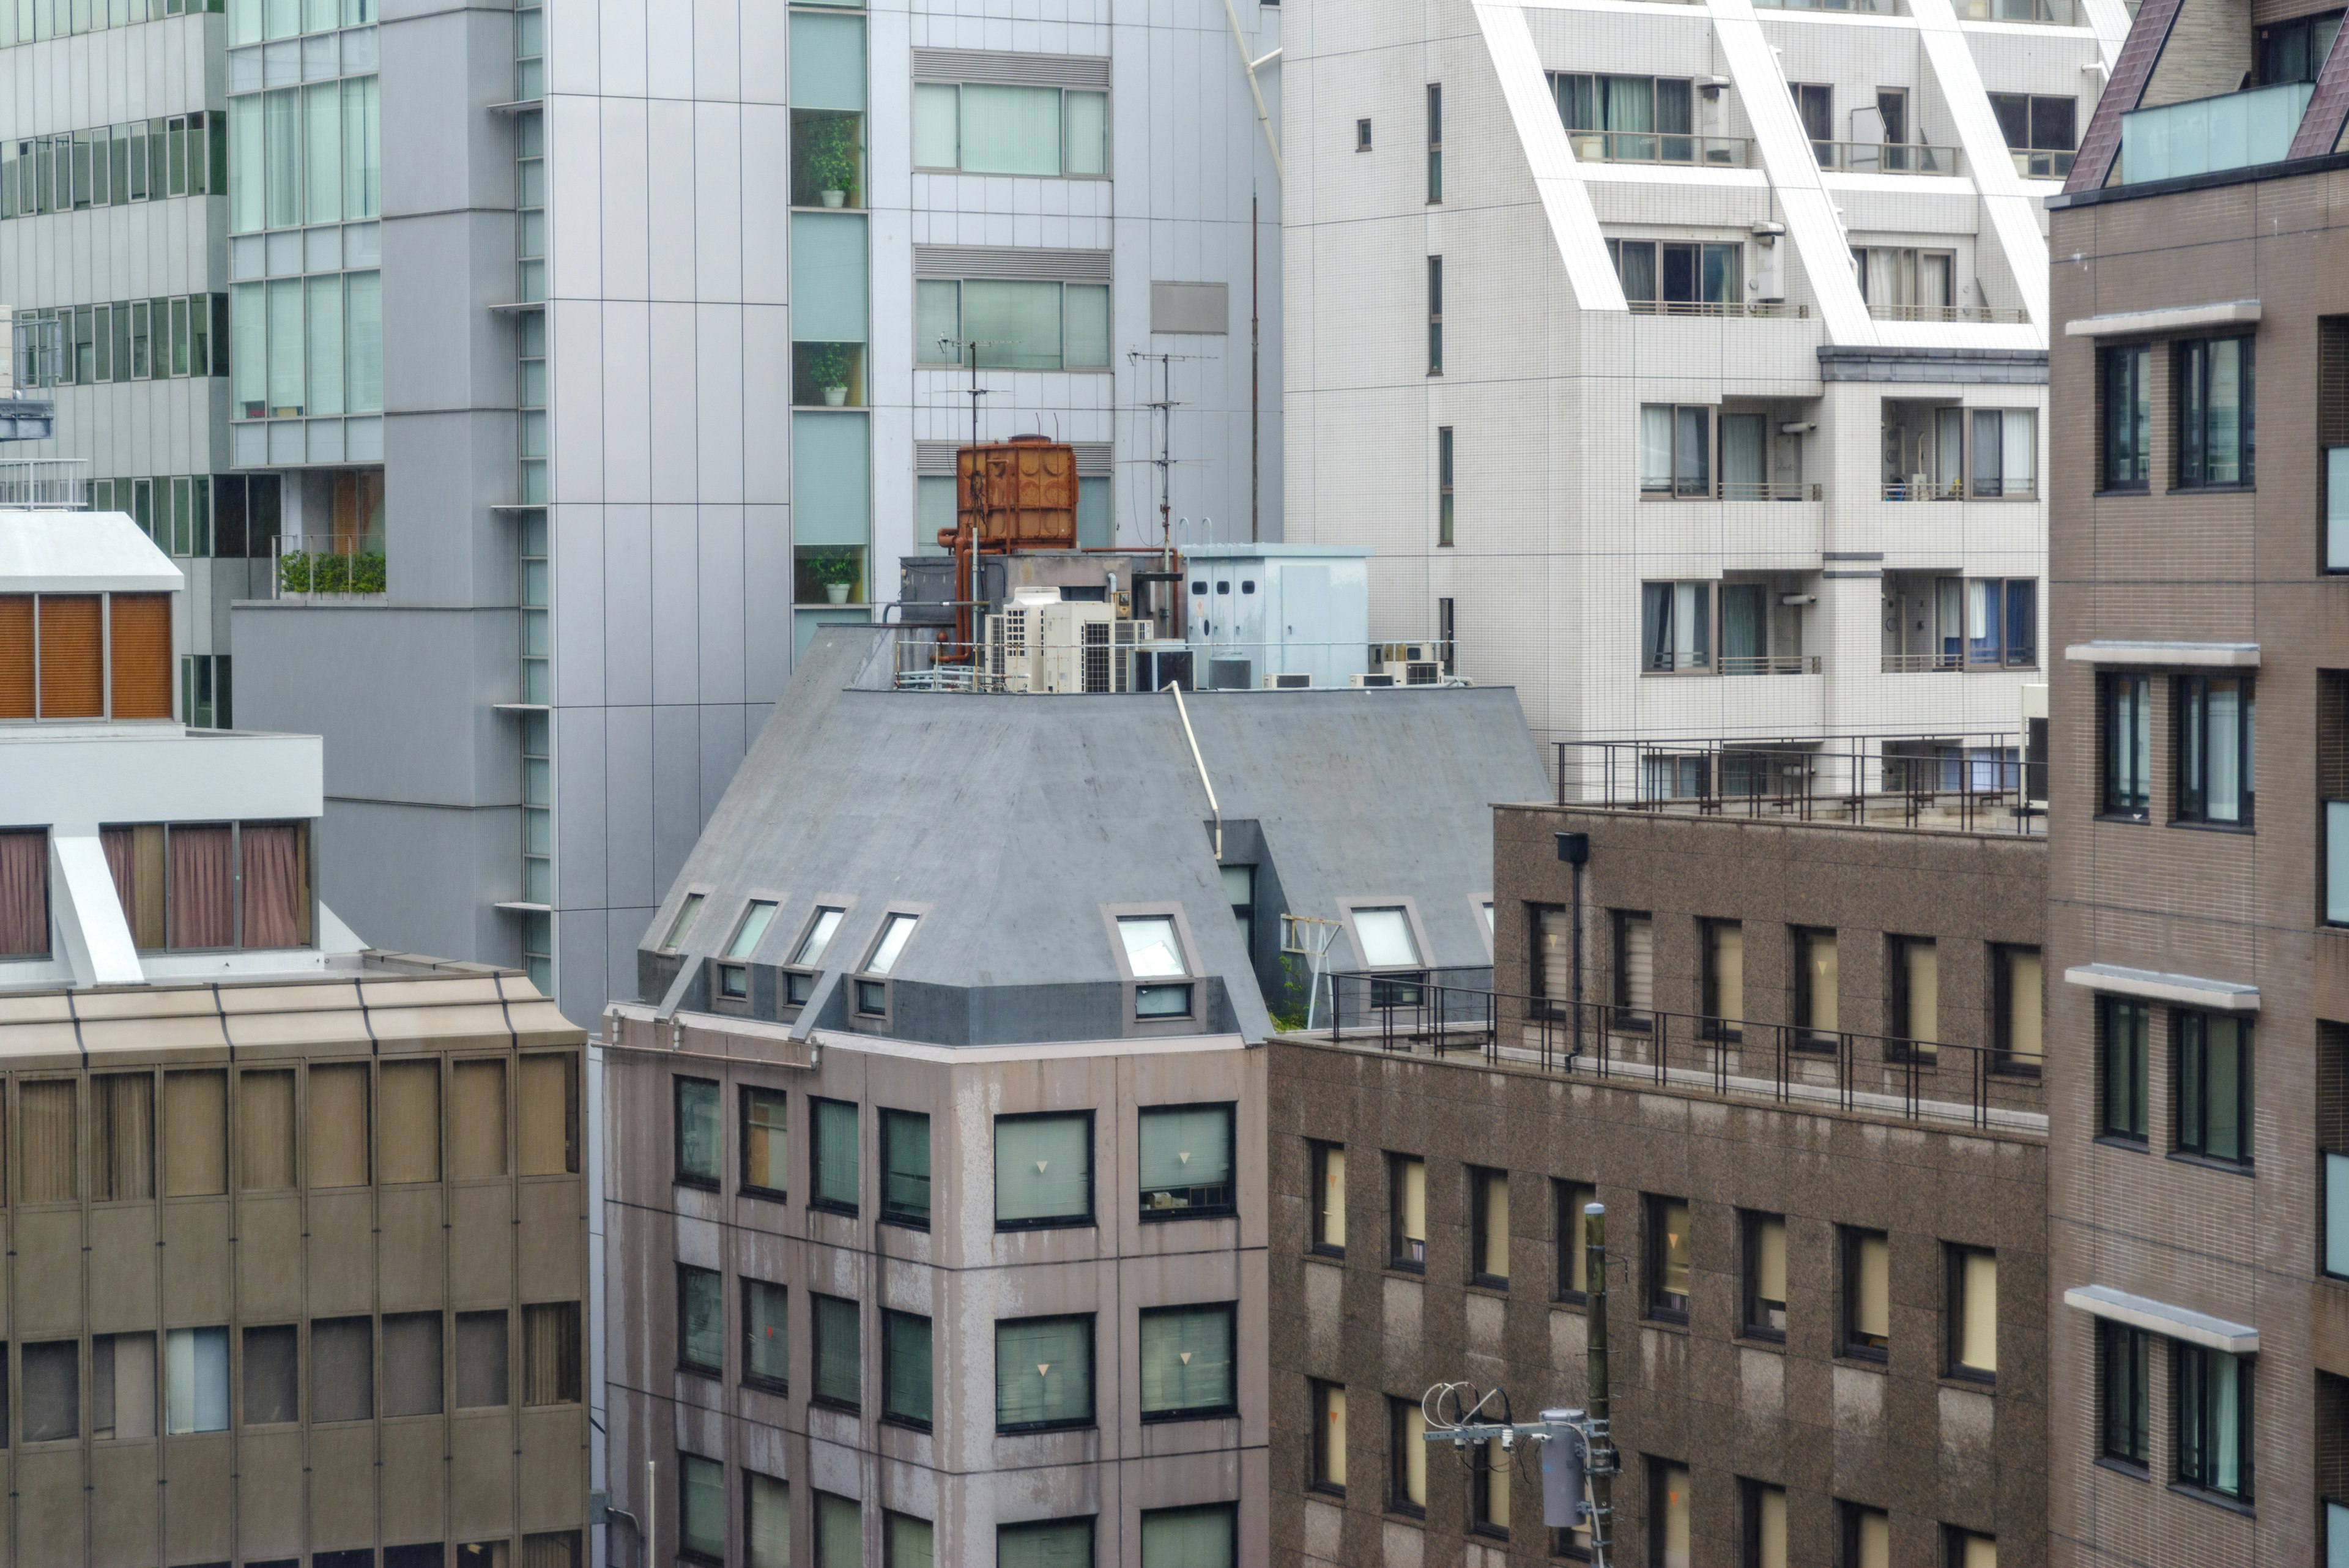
<point>1026,498</point>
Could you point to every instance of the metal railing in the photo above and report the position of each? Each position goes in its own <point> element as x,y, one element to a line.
<point>1769,489</point>
<point>45,483</point>
<point>1126,655</point>
<point>2049,12</point>
<point>1919,663</point>
<point>1769,664</point>
<point>2036,164</point>
<point>1447,1011</point>
<point>1920,487</point>
<point>1886,156</point>
<point>349,564</point>
<point>1990,313</point>
<point>1660,147</point>
<point>1973,782</point>
<point>1756,308</point>
<point>1881,7</point>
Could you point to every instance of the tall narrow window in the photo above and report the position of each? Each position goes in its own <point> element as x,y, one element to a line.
<point>701,1320</point>
<point>1867,1293</point>
<point>1406,1212</point>
<point>1043,1373</point>
<point>2022,1003</point>
<point>1043,1170</point>
<point>1766,1526</point>
<point>272,1383</point>
<point>832,1127</point>
<point>838,1343</point>
<point>2122,1030</point>
<point>481,1360</point>
<point>905,1167</point>
<point>1329,1473</point>
<point>698,1139</point>
<point>2213,1404</point>
<point>767,1520</point>
<point>1435,316</point>
<point>1669,1511</point>
<point>1573,1254</point>
<point>2124,1355</point>
<point>476,1122</point>
<point>342,1369</point>
<point>1490,1468</point>
<point>766,1341</point>
<point>1434,142</point>
<point>412,1380</point>
<point>2213,1094</point>
<point>1447,649</point>
<point>2214,412</point>
<point>1185,1160</point>
<point>1329,1161</point>
<point>1667,1258</point>
<point>408,1132</point>
<point>766,1144</point>
<point>1867,1537</point>
<point>1724,978</point>
<point>24,856</point>
<point>1973,1315</point>
<point>122,1136</point>
<point>1765,1276</point>
<point>701,1509</point>
<point>1489,1222</point>
<point>550,1354</point>
<point>1676,627</point>
<point>1444,514</point>
<point>2125,387</point>
<point>1816,978</point>
<point>1635,969</point>
<point>1406,1458</point>
<point>337,1134</point>
<point>550,1114</point>
<point>52,1374</point>
<point>2215,749</point>
<point>905,1393</point>
<point>1187,1366</point>
<point>1916,1010</point>
<point>123,1384</point>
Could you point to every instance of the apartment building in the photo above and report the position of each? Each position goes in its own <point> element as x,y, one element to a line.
<point>1685,363</point>
<point>1803,1082</point>
<point>598,359</point>
<point>296,1230</point>
<point>2198,1350</point>
<point>936,1223</point>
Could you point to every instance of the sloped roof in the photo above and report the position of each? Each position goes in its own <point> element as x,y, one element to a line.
<point>81,552</point>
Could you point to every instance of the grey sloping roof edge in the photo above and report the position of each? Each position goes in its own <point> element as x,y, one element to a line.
<point>2162,1318</point>
<point>2191,990</point>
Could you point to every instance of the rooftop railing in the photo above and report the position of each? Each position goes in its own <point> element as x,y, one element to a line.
<point>1973,783</point>
<point>2207,135</point>
<point>1770,489</point>
<point>45,483</point>
<point>1660,147</point>
<point>1443,1013</point>
<point>1881,7</point>
<point>2049,12</point>
<point>1925,487</point>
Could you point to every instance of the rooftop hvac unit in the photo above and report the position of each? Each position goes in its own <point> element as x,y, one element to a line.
<point>1402,652</point>
<point>1073,647</point>
<point>1155,665</point>
<point>1228,674</point>
<point>1415,671</point>
<point>1370,681</point>
<point>1302,681</point>
<point>1010,650</point>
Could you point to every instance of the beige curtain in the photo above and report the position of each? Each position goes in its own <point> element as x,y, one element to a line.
<point>477,1118</point>
<point>409,1121</point>
<point>123,1160</point>
<point>51,1141</point>
<point>264,1135</point>
<point>274,900</point>
<point>557,1550</point>
<point>23,892</point>
<point>135,856</point>
<point>550,1354</point>
<point>550,1113</point>
<point>202,910</point>
<point>195,1133</point>
<point>338,1126</point>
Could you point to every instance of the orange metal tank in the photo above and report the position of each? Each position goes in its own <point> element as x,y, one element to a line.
<point>1025,498</point>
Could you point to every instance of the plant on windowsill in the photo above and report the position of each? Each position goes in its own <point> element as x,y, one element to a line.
<point>828,366</point>
<point>829,162</point>
<point>835,571</point>
<point>325,572</point>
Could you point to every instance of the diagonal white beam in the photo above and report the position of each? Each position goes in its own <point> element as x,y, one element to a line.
<point>1557,179</point>
<point>2007,201</point>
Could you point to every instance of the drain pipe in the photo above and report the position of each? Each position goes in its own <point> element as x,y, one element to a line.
<point>1239,42</point>
<point>1184,714</point>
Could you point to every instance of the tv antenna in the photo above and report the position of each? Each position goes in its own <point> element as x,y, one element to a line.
<point>1164,407</point>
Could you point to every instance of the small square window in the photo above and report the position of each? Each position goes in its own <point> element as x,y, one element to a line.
<point>1362,136</point>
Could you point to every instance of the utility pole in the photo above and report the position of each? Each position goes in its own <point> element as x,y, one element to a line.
<point>1164,408</point>
<point>1256,412</point>
<point>1600,1459</point>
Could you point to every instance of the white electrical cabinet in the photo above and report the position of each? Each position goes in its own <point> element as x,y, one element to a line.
<point>1253,613</point>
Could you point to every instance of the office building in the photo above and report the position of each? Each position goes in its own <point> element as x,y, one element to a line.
<point>2199,1224</point>
<point>296,1230</point>
<point>937,1220</point>
<point>1685,363</point>
<point>1803,1083</point>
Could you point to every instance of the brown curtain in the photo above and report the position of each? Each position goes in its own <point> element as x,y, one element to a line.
<point>139,628</point>
<point>203,907</point>
<point>550,1354</point>
<point>73,658</point>
<point>550,1113</point>
<point>135,858</point>
<point>195,1133</point>
<point>264,1134</point>
<point>338,1126</point>
<point>410,1121</point>
<point>16,656</point>
<point>476,1119</point>
<point>24,892</point>
<point>123,1160</point>
<point>274,900</point>
<point>51,1141</point>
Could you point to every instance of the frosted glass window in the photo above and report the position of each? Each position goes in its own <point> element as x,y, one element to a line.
<point>322,139</point>
<point>1385,938</point>
<point>755,921</point>
<point>1088,132</point>
<point>281,112</point>
<point>362,342</point>
<point>1150,948</point>
<point>322,308</point>
<point>936,110</point>
<point>285,346</point>
<point>1084,326</point>
<point>832,482</point>
<point>1010,129</point>
<point>1096,516</point>
<point>245,182</point>
<point>938,314</point>
<point>832,1130</point>
<point>829,272</point>
<point>1016,325</point>
<point>827,62</point>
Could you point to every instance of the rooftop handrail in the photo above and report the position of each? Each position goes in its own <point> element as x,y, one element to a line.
<point>1758,308</point>
<point>1987,313</point>
<point>45,483</point>
<point>1975,782</point>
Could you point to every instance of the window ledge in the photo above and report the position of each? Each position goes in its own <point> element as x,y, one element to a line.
<point>1760,1339</point>
<point>1863,1360</point>
<point>819,1402</point>
<point>2212,490</point>
<point>699,1183</point>
<point>2192,825</point>
<point>1326,1489</point>
<point>1168,1417</point>
<point>1408,1271</point>
<point>2122,1467</point>
<point>766,1385</point>
<point>1488,1285</point>
<point>1673,1325</point>
<point>2215,1499</point>
<point>1327,1254</point>
<point>1054,1223</point>
<point>2121,1141</point>
<point>907,1222</point>
<point>764,1194</point>
<point>905,1423</point>
<point>2212,1162</point>
<point>1971,1382</point>
<point>1411,1513</point>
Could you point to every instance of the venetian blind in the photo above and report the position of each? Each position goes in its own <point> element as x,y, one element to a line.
<point>476,1119</point>
<point>140,631</point>
<point>73,660</point>
<point>338,1126</point>
<point>409,1121</point>
<point>195,1133</point>
<point>550,1114</point>
<point>16,656</point>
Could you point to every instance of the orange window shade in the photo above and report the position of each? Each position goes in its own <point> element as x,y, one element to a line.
<point>140,631</point>
<point>73,661</point>
<point>16,656</point>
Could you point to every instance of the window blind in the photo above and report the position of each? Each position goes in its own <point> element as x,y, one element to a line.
<point>122,1132</point>
<point>481,1360</point>
<point>1493,1238</point>
<point>1185,1157</point>
<point>201,904</point>
<point>905,1165</point>
<point>411,1364</point>
<point>342,1369</point>
<point>1187,1360</point>
<point>910,1542</point>
<point>16,666</point>
<point>1409,1201</point>
<point>135,858</point>
<point>272,1375</point>
<point>72,661</point>
<point>835,1152</point>
<point>1638,981</point>
<point>477,1121</point>
<point>550,1114</point>
<point>1043,1168</point>
<point>1770,1261</point>
<point>906,1367</point>
<point>1552,953</point>
<point>195,1133</point>
<point>839,1531</point>
<point>196,1393</point>
<point>1188,1537</point>
<point>123,1386</point>
<point>52,1373</point>
<point>52,1140</point>
<point>338,1126</point>
<point>553,1549</point>
<point>276,862</point>
<point>839,1361</point>
<point>765,1145</point>
<point>1921,977</point>
<point>1978,1313</point>
<point>410,1124</point>
<point>2025,1004</point>
<point>1043,1371</point>
<point>766,1345</point>
<point>1728,960</point>
<point>1333,1197</point>
<point>1872,1300</point>
<point>767,1526</point>
<point>701,1507</point>
<point>24,893</point>
<point>550,1353</point>
<point>1052,1543</point>
<point>140,625</point>
<point>1819,980</point>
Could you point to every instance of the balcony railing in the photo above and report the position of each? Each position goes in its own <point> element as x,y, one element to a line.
<point>1970,782</point>
<point>351,564</point>
<point>1770,489</point>
<point>1445,1012</point>
<point>1881,7</point>
<point>1756,308</point>
<point>1769,664</point>
<point>45,483</point>
<point>1989,313</point>
<point>2206,135</point>
<point>1922,663</point>
<point>1923,487</point>
<point>1886,156</point>
<point>1659,147</point>
<point>2036,164</point>
<point>2049,12</point>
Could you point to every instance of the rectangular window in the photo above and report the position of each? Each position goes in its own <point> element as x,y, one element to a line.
<point>2213,1404</point>
<point>409,1131</point>
<point>2125,707</point>
<point>482,1357</point>
<point>50,1108</point>
<point>1573,1254</point>
<point>1329,1473</point>
<point>2124,1355</point>
<point>1635,969</point>
<point>2216,717</point>
<point>1406,1458</point>
<point>905,1167</point>
<point>1816,979</point>
<point>837,1341</point>
<point>1663,278</point>
<point>1915,1015</point>
<point>272,1382</point>
<point>122,1388</point>
<point>1867,1537</point>
<point>766,1144</point>
<point>122,1136</point>
<point>1043,1170</point>
<point>338,1126</point>
<point>411,1364</point>
<point>1329,1161</point>
<point>906,1394</point>
<point>1488,1226</point>
<point>1667,1258</point>
<point>1444,508</point>
<point>2022,1003</point>
<point>698,1139</point>
<point>907,1542</point>
<point>550,1114</point>
<point>2122,1028</point>
<point>982,128</point>
<point>1724,978</point>
<point>833,1157</point>
<point>2124,417</point>
<point>1047,1543</point>
<point>2213,1093</point>
<point>1766,1526</point>
<point>2005,454</point>
<point>682,927</point>
<point>1406,1212</point>
<point>52,1391</point>
<point>1434,141</point>
<point>1490,1468</point>
<point>1187,1367</point>
<point>1765,1276</point>
<point>1676,627</point>
<point>550,1356</point>
<point>2039,132</point>
<point>1668,1510</point>
<point>701,1509</point>
<point>766,1521</point>
<point>1973,1317</point>
<point>477,1121</point>
<point>2214,412</point>
<point>1043,1373</point>
<point>1185,1161</point>
<point>766,1342</point>
<point>1867,1293</point>
<point>1676,450</point>
<point>1435,316</point>
<point>342,1369</point>
<point>701,1320</point>
<point>839,1531</point>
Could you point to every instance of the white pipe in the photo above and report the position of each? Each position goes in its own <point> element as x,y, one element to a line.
<point>1184,714</point>
<point>1239,42</point>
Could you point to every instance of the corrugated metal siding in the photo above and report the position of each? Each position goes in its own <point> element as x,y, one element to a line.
<point>993,261</point>
<point>1091,71</point>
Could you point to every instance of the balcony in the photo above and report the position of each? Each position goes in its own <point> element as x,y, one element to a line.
<point>45,483</point>
<point>1769,489</point>
<point>1984,312</point>
<point>339,566</point>
<point>2209,135</point>
<point>1754,309</point>
<point>1652,146</point>
<point>1966,781</point>
<point>2033,163</point>
<point>2047,13</point>
<point>1886,156</point>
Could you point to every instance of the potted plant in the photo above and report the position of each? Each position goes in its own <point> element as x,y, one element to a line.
<point>827,366</point>
<point>829,163</point>
<point>835,570</point>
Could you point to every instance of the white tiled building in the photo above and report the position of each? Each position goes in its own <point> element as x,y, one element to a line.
<point>1653,343</point>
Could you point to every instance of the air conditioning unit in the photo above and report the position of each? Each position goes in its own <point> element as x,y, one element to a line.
<point>1154,666</point>
<point>1073,648</point>
<point>1402,652</point>
<point>1415,671</point>
<point>1370,681</point>
<point>1229,674</point>
<point>1125,635</point>
<point>1010,649</point>
<point>1302,681</point>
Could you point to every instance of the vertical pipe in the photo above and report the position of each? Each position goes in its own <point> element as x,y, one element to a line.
<point>1601,1458</point>
<point>1256,417</point>
<point>1578,958</point>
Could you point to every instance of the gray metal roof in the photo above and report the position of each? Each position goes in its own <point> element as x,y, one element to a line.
<point>1014,820</point>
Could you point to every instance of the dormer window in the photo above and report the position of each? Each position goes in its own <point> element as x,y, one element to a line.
<point>799,981</point>
<point>873,994</point>
<point>682,927</point>
<point>734,977</point>
<point>1153,957</point>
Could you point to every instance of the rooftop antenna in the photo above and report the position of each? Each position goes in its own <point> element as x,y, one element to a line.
<point>1164,407</point>
<point>968,347</point>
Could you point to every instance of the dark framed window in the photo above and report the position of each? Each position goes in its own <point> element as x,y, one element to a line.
<point>1667,1253</point>
<point>1491,1468</point>
<point>701,1509</point>
<point>1722,976</point>
<point>2041,132</point>
<point>2213,1406</point>
<point>831,1155</point>
<point>2295,51</point>
<point>1185,1160</point>
<point>2124,1405</point>
<point>905,1169</point>
<point>699,1141</point>
<point>836,1340</point>
<point>2122,1028</point>
<point>1914,980</point>
<point>2215,720</point>
<point>2124,417</point>
<point>1406,1212</point>
<point>1764,1507</point>
<point>2214,412</point>
<point>1676,450</point>
<point>2213,1093</point>
<point>1047,1541</point>
<point>1328,1416</point>
<point>1867,1536</point>
<point>1660,277</point>
<point>1043,1373</point>
<point>766,1143</point>
<point>1765,1276</point>
<point>1043,1169</point>
<point>1573,1257</point>
<point>1635,969</point>
<point>2020,1034</point>
<point>1406,1458</point>
<point>906,1375</point>
<point>1817,983</point>
<point>1189,1371</point>
<point>1435,316</point>
<point>2124,709</point>
<point>1328,1162</point>
<point>1434,142</point>
<point>1671,1512</point>
<point>766,1339</point>
<point>701,1320</point>
<point>1867,1293</point>
<point>1971,1319</point>
<point>1444,513</point>
<point>1967,1548</point>
<point>1488,1226</point>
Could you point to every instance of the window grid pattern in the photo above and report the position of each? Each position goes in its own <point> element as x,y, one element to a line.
<point>31,21</point>
<point>113,165</point>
